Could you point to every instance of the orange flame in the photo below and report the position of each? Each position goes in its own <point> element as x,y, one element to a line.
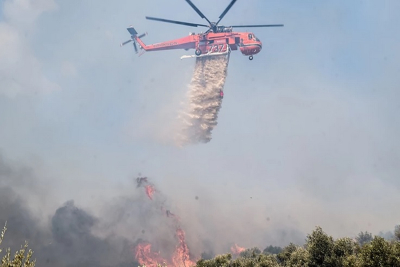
<point>150,191</point>
<point>236,250</point>
<point>181,256</point>
<point>145,256</point>
<point>143,253</point>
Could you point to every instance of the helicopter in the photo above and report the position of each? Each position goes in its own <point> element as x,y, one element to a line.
<point>216,40</point>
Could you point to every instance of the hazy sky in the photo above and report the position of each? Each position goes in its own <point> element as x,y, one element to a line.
<point>308,133</point>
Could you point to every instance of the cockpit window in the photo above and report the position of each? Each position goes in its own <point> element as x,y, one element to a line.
<point>255,38</point>
<point>250,36</point>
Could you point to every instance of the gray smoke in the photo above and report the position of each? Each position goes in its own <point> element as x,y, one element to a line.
<point>71,236</point>
<point>67,240</point>
<point>106,234</point>
<point>205,100</point>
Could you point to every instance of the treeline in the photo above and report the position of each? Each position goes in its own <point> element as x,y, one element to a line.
<point>320,250</point>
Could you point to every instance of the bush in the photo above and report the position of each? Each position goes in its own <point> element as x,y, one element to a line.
<point>20,259</point>
<point>364,238</point>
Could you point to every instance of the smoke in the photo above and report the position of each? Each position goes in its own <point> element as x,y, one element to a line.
<point>205,99</point>
<point>76,236</point>
<point>71,236</point>
<point>143,251</point>
<point>20,69</point>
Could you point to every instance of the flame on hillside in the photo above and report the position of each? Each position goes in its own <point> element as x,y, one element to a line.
<point>236,250</point>
<point>143,250</point>
<point>150,191</point>
<point>145,256</point>
<point>181,256</point>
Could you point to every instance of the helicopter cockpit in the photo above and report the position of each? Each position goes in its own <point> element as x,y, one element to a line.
<point>251,36</point>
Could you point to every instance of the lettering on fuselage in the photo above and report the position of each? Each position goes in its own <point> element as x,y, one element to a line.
<point>165,44</point>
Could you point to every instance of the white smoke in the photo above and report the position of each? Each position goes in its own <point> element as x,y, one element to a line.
<point>201,112</point>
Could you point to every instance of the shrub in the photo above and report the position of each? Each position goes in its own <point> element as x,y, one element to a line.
<point>21,258</point>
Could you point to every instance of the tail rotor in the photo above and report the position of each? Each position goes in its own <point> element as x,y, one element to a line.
<point>134,36</point>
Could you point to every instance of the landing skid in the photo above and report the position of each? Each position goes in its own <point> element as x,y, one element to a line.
<point>209,54</point>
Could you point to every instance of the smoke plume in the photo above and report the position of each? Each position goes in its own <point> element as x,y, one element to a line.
<point>205,99</point>
<point>143,225</point>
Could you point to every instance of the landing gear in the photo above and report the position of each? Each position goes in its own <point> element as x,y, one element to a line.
<point>198,52</point>
<point>250,57</point>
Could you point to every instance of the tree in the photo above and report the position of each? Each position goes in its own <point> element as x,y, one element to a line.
<point>343,250</point>
<point>21,257</point>
<point>272,250</point>
<point>364,238</point>
<point>286,253</point>
<point>218,261</point>
<point>397,232</point>
<point>250,253</point>
<point>380,252</point>
<point>299,258</point>
<point>320,247</point>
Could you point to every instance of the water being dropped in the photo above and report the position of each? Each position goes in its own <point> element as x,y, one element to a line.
<point>204,99</point>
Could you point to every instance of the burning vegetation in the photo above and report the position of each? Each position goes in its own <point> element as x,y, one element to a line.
<point>141,229</point>
<point>143,250</point>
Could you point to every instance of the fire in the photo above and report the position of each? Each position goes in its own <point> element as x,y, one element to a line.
<point>236,250</point>
<point>181,256</point>
<point>150,191</point>
<point>145,256</point>
<point>143,253</point>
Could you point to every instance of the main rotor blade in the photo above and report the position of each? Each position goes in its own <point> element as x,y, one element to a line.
<point>198,11</point>
<point>226,11</point>
<point>257,26</point>
<point>177,22</point>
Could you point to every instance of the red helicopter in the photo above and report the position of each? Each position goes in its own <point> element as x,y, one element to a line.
<point>217,40</point>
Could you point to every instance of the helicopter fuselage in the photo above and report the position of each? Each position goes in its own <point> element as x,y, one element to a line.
<point>208,43</point>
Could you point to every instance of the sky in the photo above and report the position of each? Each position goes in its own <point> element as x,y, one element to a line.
<point>307,134</point>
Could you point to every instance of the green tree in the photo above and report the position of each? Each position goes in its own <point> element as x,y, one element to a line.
<point>218,261</point>
<point>320,247</point>
<point>286,253</point>
<point>21,258</point>
<point>250,253</point>
<point>299,258</point>
<point>343,248</point>
<point>364,238</point>
<point>397,232</point>
<point>380,252</point>
<point>260,260</point>
<point>272,250</point>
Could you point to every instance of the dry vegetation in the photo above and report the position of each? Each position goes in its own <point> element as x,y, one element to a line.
<point>22,257</point>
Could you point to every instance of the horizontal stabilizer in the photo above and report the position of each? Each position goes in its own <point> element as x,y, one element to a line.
<point>132,30</point>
